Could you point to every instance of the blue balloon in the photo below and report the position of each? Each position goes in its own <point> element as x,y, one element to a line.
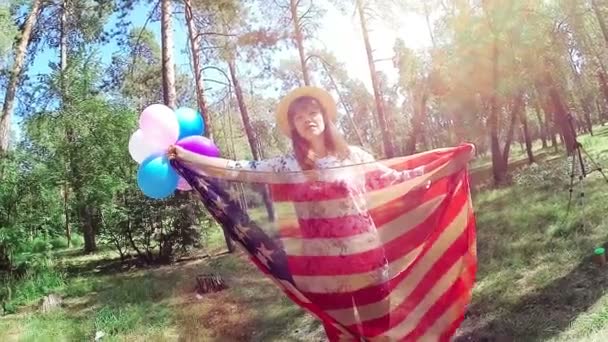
<point>190,122</point>
<point>156,177</point>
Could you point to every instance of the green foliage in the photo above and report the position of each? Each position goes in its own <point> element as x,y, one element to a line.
<point>41,245</point>
<point>37,282</point>
<point>59,242</point>
<point>9,31</point>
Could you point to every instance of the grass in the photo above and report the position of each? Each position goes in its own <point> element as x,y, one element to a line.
<point>536,280</point>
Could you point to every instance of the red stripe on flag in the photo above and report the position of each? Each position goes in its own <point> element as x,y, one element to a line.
<point>393,250</point>
<point>453,294</point>
<point>334,227</point>
<point>330,301</point>
<point>400,313</point>
<point>364,262</point>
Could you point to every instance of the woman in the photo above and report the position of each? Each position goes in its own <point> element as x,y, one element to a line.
<point>306,116</point>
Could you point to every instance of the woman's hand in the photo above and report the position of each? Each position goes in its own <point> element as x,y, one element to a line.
<point>172,152</point>
<point>180,154</point>
<point>199,161</point>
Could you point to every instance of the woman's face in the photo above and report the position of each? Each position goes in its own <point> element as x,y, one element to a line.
<point>308,121</point>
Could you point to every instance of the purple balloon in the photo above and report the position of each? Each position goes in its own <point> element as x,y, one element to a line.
<point>200,145</point>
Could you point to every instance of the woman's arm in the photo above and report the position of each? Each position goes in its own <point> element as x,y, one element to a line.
<point>221,167</point>
<point>383,175</point>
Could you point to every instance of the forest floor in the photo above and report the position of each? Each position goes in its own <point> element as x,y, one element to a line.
<point>536,280</point>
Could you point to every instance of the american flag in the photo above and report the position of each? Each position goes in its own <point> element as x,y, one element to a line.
<point>409,278</point>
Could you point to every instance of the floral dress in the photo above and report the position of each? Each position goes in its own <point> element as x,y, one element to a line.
<point>333,209</point>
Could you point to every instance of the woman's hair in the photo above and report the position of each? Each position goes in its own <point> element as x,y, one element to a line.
<point>334,142</point>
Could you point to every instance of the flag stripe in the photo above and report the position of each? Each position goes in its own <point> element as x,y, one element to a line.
<point>423,253</point>
<point>366,241</point>
<point>430,266</point>
<point>396,248</point>
<point>381,213</point>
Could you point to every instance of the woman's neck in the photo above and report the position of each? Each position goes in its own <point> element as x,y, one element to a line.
<point>318,147</point>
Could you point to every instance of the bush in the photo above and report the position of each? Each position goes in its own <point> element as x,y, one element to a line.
<point>554,174</point>
<point>39,280</point>
<point>59,243</point>
<point>40,245</point>
<point>77,240</point>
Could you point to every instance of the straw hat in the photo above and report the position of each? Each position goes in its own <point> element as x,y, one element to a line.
<point>324,98</point>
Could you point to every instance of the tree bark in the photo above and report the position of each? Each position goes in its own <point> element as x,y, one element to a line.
<point>387,142</point>
<point>583,99</point>
<point>196,65</point>
<point>549,121</point>
<point>499,169</point>
<point>515,113</point>
<point>168,67</point>
<point>600,20</point>
<point>15,76</point>
<point>417,119</point>
<point>603,86</point>
<point>561,115</point>
<point>541,126</point>
<point>293,8</point>
<point>250,134</point>
<point>600,112</point>
<point>527,138</point>
<point>66,211</point>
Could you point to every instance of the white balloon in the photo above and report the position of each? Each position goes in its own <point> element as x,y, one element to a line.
<point>141,148</point>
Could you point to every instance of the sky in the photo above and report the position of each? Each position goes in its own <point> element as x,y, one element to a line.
<point>339,33</point>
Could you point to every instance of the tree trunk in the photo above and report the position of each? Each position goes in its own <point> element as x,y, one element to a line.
<point>499,168</point>
<point>168,67</point>
<point>196,65</point>
<point>387,142</point>
<point>88,228</point>
<point>417,120</point>
<point>603,86</point>
<point>527,139</point>
<point>293,8</point>
<point>583,99</point>
<point>600,20</point>
<point>250,134</point>
<point>15,76</point>
<point>561,117</point>
<point>600,112</point>
<point>515,113</point>
<point>541,126</point>
<point>549,121</point>
<point>66,211</point>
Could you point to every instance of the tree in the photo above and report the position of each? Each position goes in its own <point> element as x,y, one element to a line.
<point>168,70</point>
<point>387,141</point>
<point>195,53</point>
<point>15,75</point>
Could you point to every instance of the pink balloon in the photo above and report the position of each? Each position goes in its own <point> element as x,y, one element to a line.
<point>183,185</point>
<point>159,124</point>
<point>200,145</point>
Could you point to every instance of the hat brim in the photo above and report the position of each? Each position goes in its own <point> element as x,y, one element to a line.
<point>324,98</point>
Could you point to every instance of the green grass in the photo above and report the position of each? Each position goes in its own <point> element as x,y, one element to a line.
<point>536,280</point>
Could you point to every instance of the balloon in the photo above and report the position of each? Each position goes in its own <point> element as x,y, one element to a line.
<point>156,178</point>
<point>199,144</point>
<point>190,122</point>
<point>159,124</point>
<point>141,148</point>
<point>183,185</point>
